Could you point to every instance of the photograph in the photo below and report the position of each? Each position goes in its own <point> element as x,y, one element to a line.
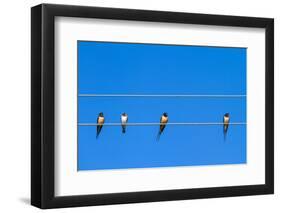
<point>159,105</point>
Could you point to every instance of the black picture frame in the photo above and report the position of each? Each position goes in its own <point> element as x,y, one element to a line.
<point>43,111</point>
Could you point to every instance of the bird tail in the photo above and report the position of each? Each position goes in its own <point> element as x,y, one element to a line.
<point>97,135</point>
<point>158,136</point>
<point>123,129</point>
<point>225,132</point>
<point>98,132</point>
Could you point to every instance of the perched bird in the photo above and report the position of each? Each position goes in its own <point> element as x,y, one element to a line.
<point>100,122</point>
<point>124,120</point>
<point>163,122</point>
<point>225,123</point>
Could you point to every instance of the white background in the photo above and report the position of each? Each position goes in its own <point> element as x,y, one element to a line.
<point>70,182</point>
<point>15,106</point>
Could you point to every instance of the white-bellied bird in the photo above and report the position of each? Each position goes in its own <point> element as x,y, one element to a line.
<point>226,119</point>
<point>124,120</point>
<point>163,122</point>
<point>100,122</point>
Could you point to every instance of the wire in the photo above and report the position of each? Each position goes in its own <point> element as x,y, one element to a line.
<point>167,95</point>
<point>153,124</point>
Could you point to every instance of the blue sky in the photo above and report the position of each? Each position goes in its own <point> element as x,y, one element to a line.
<point>124,68</point>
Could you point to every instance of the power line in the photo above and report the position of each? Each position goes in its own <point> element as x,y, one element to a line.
<point>155,124</point>
<point>166,95</point>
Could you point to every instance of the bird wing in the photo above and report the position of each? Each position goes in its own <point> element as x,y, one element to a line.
<point>161,119</point>
<point>98,127</point>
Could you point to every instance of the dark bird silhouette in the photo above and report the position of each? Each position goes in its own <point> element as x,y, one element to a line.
<point>124,120</point>
<point>226,119</point>
<point>163,122</point>
<point>100,122</point>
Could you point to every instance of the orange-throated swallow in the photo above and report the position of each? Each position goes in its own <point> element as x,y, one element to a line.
<point>225,123</point>
<point>100,122</point>
<point>124,120</point>
<point>163,122</point>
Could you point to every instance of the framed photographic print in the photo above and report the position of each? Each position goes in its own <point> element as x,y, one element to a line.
<point>139,106</point>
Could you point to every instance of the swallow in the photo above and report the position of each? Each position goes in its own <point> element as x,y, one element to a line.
<point>100,122</point>
<point>225,123</point>
<point>124,120</point>
<point>163,122</point>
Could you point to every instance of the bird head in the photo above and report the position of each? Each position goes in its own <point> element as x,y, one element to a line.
<point>101,114</point>
<point>124,114</point>
<point>165,114</point>
<point>226,114</point>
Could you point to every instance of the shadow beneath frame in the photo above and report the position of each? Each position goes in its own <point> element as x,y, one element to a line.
<point>25,200</point>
